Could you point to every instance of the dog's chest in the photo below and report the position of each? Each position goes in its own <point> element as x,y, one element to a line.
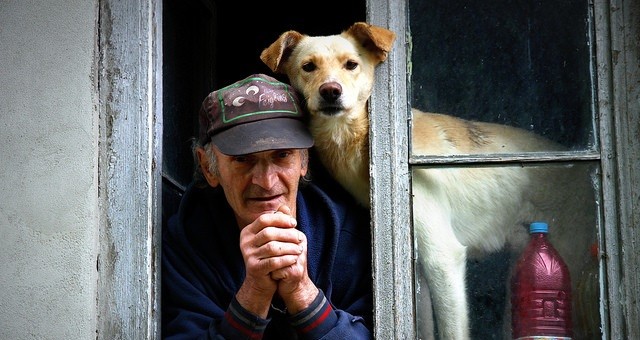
<point>345,155</point>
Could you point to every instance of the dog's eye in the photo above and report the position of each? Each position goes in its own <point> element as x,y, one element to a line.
<point>351,65</point>
<point>308,67</point>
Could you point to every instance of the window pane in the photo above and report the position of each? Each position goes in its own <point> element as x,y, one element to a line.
<point>490,209</point>
<point>520,63</point>
<point>518,74</point>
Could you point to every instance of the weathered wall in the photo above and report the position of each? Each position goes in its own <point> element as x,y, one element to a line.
<point>48,169</point>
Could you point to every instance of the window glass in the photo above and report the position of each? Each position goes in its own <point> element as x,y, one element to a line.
<point>508,140</point>
<point>521,63</point>
<point>490,208</point>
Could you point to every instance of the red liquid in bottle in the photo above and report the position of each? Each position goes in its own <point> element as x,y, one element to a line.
<point>541,291</point>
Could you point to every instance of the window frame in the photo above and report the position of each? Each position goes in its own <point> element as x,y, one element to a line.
<point>392,238</point>
<point>128,81</point>
<point>618,108</point>
<point>619,150</point>
<point>129,88</point>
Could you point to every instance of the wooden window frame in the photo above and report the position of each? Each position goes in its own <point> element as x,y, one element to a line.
<point>618,105</point>
<point>129,87</point>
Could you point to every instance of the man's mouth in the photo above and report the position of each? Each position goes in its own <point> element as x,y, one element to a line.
<point>266,198</point>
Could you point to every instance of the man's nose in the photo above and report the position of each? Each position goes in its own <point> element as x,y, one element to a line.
<point>265,175</point>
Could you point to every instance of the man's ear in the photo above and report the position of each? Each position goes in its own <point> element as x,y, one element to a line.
<point>204,162</point>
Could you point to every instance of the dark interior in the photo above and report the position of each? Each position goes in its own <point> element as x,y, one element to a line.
<point>522,63</point>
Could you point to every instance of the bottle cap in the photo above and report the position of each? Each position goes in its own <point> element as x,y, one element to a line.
<point>538,227</point>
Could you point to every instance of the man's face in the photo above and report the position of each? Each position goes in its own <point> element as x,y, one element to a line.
<point>259,182</point>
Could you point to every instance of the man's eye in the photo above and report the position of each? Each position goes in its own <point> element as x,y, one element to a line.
<point>284,154</point>
<point>240,159</point>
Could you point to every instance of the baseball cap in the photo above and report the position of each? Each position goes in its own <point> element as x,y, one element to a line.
<point>254,114</point>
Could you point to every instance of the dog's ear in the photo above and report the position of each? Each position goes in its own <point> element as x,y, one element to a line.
<point>280,50</point>
<point>375,39</point>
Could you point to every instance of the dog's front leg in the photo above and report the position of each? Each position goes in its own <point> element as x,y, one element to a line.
<point>443,259</point>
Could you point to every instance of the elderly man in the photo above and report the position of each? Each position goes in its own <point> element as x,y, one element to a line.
<point>257,250</point>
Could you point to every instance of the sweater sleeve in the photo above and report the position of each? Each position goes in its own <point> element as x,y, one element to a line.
<point>187,311</point>
<point>238,323</point>
<point>321,321</point>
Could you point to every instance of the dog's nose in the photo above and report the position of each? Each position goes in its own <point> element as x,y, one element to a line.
<point>331,91</point>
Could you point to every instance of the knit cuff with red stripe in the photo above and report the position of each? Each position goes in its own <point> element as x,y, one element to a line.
<point>316,320</point>
<point>313,322</point>
<point>239,323</point>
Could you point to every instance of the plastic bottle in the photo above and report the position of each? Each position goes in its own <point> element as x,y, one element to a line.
<point>541,291</point>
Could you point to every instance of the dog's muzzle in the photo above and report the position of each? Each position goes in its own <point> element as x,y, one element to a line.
<point>330,93</point>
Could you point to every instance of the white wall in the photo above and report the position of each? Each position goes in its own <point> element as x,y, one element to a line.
<point>48,169</point>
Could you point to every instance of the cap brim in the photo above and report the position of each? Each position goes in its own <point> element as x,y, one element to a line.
<point>270,134</point>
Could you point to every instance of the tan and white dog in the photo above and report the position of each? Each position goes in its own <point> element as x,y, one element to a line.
<point>458,212</point>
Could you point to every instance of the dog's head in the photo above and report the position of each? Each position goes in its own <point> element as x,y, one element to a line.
<point>334,73</point>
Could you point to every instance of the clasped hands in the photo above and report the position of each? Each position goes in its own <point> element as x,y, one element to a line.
<point>275,256</point>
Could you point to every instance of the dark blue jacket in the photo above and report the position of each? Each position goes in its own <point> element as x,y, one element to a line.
<point>202,269</point>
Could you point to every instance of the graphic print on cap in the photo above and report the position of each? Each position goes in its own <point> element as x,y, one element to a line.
<point>254,98</point>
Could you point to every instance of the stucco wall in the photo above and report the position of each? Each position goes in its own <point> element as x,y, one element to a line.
<point>48,169</point>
